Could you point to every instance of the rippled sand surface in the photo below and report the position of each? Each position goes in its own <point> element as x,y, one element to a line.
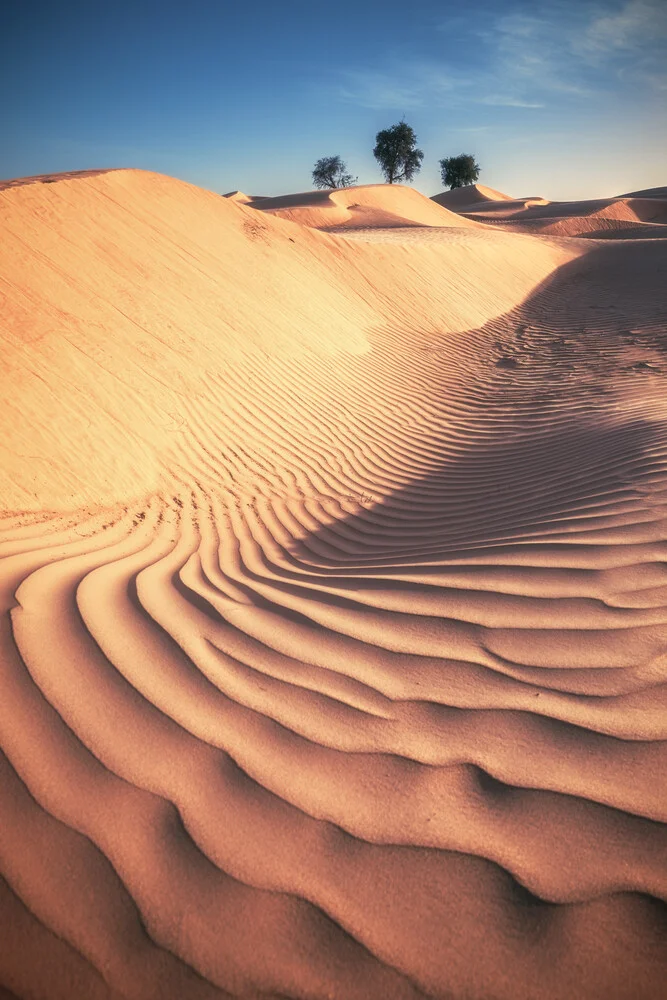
<point>334,603</point>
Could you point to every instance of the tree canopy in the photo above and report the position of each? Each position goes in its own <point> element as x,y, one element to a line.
<point>396,152</point>
<point>331,172</point>
<point>459,171</point>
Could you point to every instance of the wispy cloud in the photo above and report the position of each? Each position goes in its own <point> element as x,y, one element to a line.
<point>505,101</point>
<point>532,53</point>
<point>578,49</point>
<point>571,50</point>
<point>473,128</point>
<point>637,25</point>
<point>404,85</point>
<point>377,91</point>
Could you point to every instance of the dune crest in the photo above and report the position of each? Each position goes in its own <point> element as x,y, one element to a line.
<point>657,192</point>
<point>365,206</point>
<point>471,194</point>
<point>642,215</point>
<point>126,290</point>
<point>334,626</point>
<point>239,196</point>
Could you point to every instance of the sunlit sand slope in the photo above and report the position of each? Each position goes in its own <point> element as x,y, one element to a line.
<point>123,293</point>
<point>359,207</point>
<point>239,196</point>
<point>50,178</point>
<point>635,216</point>
<point>351,682</point>
<point>471,194</point>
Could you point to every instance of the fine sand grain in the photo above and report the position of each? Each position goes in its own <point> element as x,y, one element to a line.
<point>333,644</point>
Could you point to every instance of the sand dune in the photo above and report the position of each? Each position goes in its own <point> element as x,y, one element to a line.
<point>622,209</point>
<point>239,196</point>
<point>334,623</point>
<point>659,192</point>
<point>482,204</point>
<point>652,209</point>
<point>471,194</point>
<point>493,210</point>
<point>626,217</point>
<point>372,205</point>
<point>117,314</point>
<point>597,227</point>
<point>50,178</point>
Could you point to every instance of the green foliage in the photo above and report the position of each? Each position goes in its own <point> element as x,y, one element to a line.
<point>396,152</point>
<point>331,172</point>
<point>459,171</point>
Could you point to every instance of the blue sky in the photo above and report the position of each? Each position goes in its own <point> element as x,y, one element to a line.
<point>563,99</point>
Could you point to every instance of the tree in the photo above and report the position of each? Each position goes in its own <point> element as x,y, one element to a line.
<point>396,152</point>
<point>459,171</point>
<point>331,172</point>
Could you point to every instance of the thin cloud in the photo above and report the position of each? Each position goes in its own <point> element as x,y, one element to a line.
<point>638,24</point>
<point>377,91</point>
<point>409,85</point>
<point>574,52</point>
<point>578,50</point>
<point>500,101</point>
<point>533,52</point>
<point>473,128</point>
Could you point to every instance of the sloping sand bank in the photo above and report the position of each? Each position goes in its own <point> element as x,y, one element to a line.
<point>334,623</point>
<point>659,192</point>
<point>124,292</point>
<point>641,215</point>
<point>376,205</point>
<point>471,194</point>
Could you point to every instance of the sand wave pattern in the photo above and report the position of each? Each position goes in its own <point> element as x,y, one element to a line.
<point>369,699</point>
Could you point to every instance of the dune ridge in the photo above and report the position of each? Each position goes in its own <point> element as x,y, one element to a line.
<point>370,205</point>
<point>641,215</point>
<point>355,687</point>
<point>471,194</point>
<point>107,295</point>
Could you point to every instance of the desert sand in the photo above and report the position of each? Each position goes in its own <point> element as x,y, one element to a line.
<point>642,214</point>
<point>334,581</point>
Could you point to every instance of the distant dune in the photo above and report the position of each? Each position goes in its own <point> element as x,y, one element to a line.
<point>471,194</point>
<point>369,206</point>
<point>333,568</point>
<point>598,218</point>
<point>239,196</point>
<point>658,192</point>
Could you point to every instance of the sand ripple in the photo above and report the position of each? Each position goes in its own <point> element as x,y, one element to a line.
<point>369,700</point>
